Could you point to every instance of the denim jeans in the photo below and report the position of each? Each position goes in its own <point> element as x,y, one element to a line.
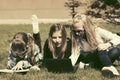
<point>100,58</point>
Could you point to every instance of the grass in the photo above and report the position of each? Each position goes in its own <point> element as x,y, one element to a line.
<point>6,34</point>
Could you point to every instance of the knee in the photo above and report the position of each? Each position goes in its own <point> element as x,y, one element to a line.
<point>115,50</point>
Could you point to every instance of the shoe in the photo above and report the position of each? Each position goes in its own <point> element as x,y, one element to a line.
<point>89,65</point>
<point>110,71</point>
<point>81,65</point>
<point>35,24</point>
<point>86,65</point>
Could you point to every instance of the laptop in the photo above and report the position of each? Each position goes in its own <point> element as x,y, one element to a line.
<point>59,65</point>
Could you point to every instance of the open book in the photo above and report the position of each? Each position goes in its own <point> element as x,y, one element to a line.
<point>12,71</point>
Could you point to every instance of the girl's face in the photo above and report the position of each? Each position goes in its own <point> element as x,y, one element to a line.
<point>18,49</point>
<point>78,29</point>
<point>18,53</point>
<point>57,38</point>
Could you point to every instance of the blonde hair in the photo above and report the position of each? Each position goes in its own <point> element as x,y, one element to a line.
<point>89,28</point>
<point>54,28</point>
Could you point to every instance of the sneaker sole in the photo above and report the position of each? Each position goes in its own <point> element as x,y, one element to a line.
<point>108,73</point>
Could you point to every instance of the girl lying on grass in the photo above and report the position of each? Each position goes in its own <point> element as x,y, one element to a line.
<point>91,43</point>
<point>25,50</point>
<point>57,46</point>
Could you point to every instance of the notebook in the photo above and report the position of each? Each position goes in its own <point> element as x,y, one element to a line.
<point>11,71</point>
<point>59,65</point>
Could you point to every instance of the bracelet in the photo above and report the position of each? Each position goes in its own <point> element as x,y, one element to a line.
<point>111,44</point>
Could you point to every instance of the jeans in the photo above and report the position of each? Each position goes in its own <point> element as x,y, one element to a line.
<point>100,58</point>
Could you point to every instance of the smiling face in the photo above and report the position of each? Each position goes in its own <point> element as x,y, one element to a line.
<point>57,38</point>
<point>78,29</point>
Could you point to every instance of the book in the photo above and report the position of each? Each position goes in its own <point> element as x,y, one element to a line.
<point>13,71</point>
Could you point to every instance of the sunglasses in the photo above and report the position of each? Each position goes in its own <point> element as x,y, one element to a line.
<point>78,31</point>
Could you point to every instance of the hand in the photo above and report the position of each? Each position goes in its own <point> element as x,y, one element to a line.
<point>35,68</point>
<point>104,46</point>
<point>18,66</point>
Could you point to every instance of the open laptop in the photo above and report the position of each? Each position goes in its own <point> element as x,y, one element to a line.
<point>59,65</point>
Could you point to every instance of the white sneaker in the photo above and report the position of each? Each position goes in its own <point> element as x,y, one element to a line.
<point>111,70</point>
<point>35,24</point>
<point>81,65</point>
<point>85,65</point>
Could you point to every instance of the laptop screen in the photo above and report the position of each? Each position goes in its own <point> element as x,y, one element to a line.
<point>59,65</point>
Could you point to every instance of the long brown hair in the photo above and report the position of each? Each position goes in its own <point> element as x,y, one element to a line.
<point>54,28</point>
<point>22,39</point>
<point>89,28</point>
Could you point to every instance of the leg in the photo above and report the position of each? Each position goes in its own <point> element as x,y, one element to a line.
<point>37,40</point>
<point>108,68</point>
<point>91,58</point>
<point>114,54</point>
<point>35,24</point>
<point>104,58</point>
<point>36,34</point>
<point>82,57</point>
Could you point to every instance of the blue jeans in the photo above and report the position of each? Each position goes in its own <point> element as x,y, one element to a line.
<point>100,58</point>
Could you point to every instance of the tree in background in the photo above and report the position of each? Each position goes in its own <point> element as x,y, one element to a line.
<point>106,9</point>
<point>72,4</point>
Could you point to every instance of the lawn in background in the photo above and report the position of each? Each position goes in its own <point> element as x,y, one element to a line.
<point>6,34</point>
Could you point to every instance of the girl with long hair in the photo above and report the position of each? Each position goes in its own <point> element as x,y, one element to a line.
<point>25,50</point>
<point>91,43</point>
<point>57,46</point>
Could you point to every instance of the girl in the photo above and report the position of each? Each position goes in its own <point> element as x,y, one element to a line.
<point>24,53</point>
<point>91,43</point>
<point>57,46</point>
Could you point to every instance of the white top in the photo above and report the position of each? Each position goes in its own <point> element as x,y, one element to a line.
<point>103,36</point>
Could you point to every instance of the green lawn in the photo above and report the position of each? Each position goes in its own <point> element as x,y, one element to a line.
<point>6,34</point>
